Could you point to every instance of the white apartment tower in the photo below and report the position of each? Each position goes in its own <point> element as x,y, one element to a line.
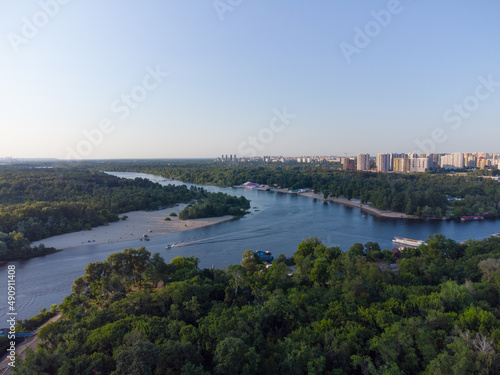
<point>419,164</point>
<point>452,161</point>
<point>363,162</point>
<point>384,162</point>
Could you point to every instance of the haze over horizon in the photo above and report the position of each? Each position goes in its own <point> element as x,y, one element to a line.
<point>113,80</point>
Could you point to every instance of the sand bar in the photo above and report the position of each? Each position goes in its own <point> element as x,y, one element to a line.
<point>137,224</point>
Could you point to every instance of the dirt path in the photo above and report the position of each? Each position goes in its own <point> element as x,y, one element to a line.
<point>31,342</point>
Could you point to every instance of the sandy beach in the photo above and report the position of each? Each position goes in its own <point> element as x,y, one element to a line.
<point>137,224</point>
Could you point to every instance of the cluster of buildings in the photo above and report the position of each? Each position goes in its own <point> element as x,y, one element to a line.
<point>308,159</point>
<point>227,158</point>
<point>281,159</point>
<point>387,162</point>
<point>391,162</point>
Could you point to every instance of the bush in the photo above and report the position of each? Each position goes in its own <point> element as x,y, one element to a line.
<point>173,214</point>
<point>37,320</point>
<point>168,219</point>
<point>4,343</point>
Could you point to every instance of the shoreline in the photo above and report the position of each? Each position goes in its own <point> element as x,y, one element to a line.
<point>138,223</point>
<point>362,207</point>
<point>25,344</point>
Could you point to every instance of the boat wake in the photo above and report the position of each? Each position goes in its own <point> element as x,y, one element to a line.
<point>219,239</point>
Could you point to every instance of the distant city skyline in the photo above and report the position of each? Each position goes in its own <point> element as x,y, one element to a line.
<point>388,162</point>
<point>235,156</point>
<point>125,80</point>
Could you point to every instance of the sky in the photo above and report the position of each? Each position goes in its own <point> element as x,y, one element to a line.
<point>196,79</point>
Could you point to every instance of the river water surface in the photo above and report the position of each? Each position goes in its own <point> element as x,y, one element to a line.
<point>277,223</point>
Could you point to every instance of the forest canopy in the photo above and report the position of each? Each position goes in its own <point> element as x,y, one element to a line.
<point>36,203</point>
<point>426,195</point>
<point>216,204</point>
<point>322,311</point>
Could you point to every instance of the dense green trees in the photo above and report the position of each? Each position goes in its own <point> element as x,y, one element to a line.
<point>43,202</point>
<point>421,194</point>
<point>27,325</point>
<point>39,203</point>
<point>16,245</point>
<point>323,311</point>
<point>214,205</point>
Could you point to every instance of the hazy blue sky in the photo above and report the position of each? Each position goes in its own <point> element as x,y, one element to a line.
<point>67,68</point>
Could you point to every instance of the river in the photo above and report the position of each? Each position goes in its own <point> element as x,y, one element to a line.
<point>277,222</point>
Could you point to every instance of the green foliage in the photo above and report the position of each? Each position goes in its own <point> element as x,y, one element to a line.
<point>421,194</point>
<point>36,321</point>
<point>214,205</point>
<point>333,313</point>
<point>16,245</point>
<point>39,203</point>
<point>139,358</point>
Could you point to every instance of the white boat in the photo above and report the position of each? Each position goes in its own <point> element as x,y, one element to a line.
<point>407,242</point>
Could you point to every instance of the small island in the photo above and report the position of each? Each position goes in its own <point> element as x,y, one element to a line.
<point>215,205</point>
<point>45,209</point>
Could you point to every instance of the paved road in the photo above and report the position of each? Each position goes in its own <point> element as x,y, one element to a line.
<point>31,342</point>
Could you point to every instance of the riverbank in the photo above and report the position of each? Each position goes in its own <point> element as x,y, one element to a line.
<point>362,207</point>
<point>137,224</point>
<point>345,202</point>
<point>29,343</point>
<point>46,251</point>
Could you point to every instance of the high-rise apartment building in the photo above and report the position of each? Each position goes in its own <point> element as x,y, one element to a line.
<point>470,160</point>
<point>401,165</point>
<point>433,160</point>
<point>419,164</point>
<point>452,161</point>
<point>349,164</point>
<point>395,156</point>
<point>384,162</point>
<point>363,162</point>
<point>482,163</point>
